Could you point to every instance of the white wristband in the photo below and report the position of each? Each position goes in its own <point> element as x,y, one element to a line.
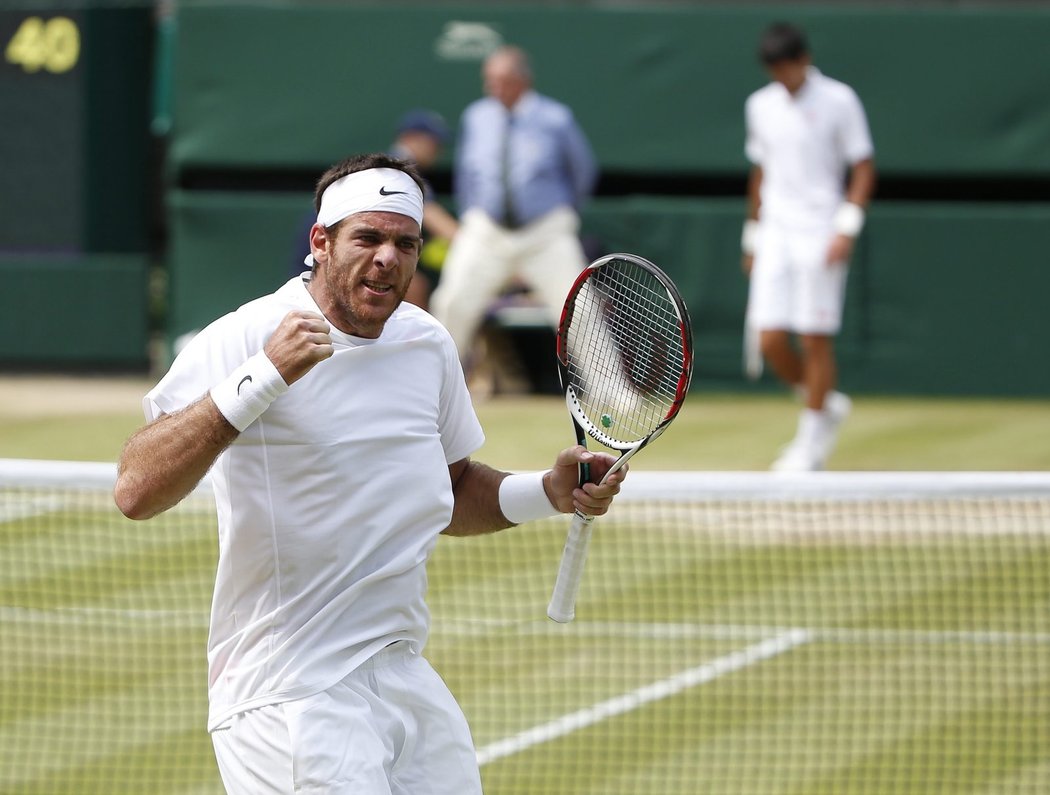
<point>849,219</point>
<point>248,391</point>
<point>522,498</point>
<point>749,237</point>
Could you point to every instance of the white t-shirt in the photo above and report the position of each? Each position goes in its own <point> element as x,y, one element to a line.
<point>804,145</point>
<point>329,504</point>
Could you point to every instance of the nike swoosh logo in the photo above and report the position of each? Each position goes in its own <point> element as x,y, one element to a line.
<point>247,379</point>
<point>384,192</point>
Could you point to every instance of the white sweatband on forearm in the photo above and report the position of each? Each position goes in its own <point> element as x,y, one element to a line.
<point>749,237</point>
<point>849,219</point>
<point>522,498</point>
<point>248,391</point>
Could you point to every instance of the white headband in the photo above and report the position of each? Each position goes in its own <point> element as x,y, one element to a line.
<point>376,189</point>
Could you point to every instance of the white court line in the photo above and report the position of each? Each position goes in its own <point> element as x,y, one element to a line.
<point>628,702</point>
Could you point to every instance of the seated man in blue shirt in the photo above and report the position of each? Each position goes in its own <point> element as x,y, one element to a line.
<point>522,169</point>
<point>421,137</point>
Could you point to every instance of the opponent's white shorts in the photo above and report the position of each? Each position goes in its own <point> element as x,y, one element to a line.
<point>793,287</point>
<point>391,727</point>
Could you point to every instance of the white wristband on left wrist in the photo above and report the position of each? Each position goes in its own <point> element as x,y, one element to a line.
<point>749,236</point>
<point>248,391</point>
<point>849,219</point>
<point>522,498</point>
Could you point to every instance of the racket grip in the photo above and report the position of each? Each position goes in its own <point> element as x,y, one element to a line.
<point>562,607</point>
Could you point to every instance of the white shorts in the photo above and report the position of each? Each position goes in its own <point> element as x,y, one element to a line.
<point>390,727</point>
<point>793,287</point>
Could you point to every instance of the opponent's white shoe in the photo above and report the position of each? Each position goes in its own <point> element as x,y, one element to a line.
<point>799,456</point>
<point>816,436</point>
<point>837,408</point>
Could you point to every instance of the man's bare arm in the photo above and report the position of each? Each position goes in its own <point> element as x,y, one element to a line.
<point>859,190</point>
<point>861,183</point>
<point>163,462</point>
<point>476,488</point>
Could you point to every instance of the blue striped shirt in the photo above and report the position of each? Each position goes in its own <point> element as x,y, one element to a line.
<point>551,162</point>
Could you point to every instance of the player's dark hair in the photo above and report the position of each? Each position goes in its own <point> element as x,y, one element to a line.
<point>782,41</point>
<point>363,163</point>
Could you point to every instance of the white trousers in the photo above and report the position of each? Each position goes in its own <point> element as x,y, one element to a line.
<point>390,728</point>
<point>546,255</point>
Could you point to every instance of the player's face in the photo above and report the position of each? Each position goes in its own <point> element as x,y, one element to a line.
<point>790,74</point>
<point>365,271</point>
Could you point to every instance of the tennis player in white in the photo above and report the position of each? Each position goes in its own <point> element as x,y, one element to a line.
<point>338,428</point>
<point>805,133</point>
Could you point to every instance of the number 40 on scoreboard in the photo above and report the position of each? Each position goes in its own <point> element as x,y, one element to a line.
<point>52,45</point>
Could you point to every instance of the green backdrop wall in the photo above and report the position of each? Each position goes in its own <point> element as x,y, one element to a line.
<point>659,89</point>
<point>944,296</point>
<point>74,312</point>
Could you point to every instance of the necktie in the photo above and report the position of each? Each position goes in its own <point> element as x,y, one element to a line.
<point>509,215</point>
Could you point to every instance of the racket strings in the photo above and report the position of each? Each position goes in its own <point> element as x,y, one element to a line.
<point>625,351</point>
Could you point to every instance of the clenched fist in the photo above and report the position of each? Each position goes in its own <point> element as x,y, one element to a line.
<point>298,343</point>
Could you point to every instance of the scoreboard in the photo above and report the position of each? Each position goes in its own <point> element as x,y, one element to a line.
<point>74,128</point>
<point>76,184</point>
<point>41,131</point>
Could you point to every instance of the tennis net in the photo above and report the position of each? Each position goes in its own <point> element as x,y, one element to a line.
<point>735,633</point>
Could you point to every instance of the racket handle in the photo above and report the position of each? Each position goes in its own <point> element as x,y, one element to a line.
<point>562,607</point>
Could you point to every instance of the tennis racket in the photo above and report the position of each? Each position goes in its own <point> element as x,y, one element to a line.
<point>625,357</point>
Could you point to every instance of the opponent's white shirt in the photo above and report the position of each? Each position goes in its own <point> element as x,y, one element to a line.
<point>804,144</point>
<point>330,503</point>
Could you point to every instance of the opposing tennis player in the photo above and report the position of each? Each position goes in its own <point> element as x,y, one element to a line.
<point>812,178</point>
<point>338,427</point>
